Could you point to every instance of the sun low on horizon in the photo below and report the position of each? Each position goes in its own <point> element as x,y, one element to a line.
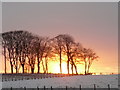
<point>53,67</point>
<point>93,25</point>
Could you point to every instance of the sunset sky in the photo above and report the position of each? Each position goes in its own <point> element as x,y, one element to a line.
<point>94,25</point>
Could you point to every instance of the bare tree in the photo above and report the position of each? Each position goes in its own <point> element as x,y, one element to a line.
<point>92,56</point>
<point>45,53</point>
<point>15,44</point>
<point>38,44</point>
<point>24,42</point>
<point>4,43</point>
<point>58,48</point>
<point>9,45</point>
<point>31,54</point>
<point>74,56</point>
<point>88,57</point>
<point>17,39</point>
<point>23,49</point>
<point>68,41</point>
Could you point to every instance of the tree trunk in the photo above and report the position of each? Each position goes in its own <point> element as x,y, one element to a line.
<point>89,65</point>
<point>71,60</point>
<point>60,64</point>
<point>5,58</point>
<point>43,67</point>
<point>72,68</point>
<point>11,67</point>
<point>46,63</point>
<point>22,68</point>
<point>16,66</point>
<point>73,64</point>
<point>85,67</point>
<point>68,66</point>
<point>75,68</point>
<point>68,57</point>
<point>5,66</point>
<point>32,70</point>
<point>38,65</point>
<point>16,69</point>
<point>38,68</point>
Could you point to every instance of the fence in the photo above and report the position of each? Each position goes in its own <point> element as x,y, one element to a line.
<point>66,88</point>
<point>17,77</point>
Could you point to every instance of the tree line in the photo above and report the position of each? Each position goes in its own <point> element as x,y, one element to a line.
<point>22,48</point>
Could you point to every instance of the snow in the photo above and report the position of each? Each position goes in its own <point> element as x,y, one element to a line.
<point>86,81</point>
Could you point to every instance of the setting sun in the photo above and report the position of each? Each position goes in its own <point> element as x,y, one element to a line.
<point>59,45</point>
<point>74,21</point>
<point>57,68</point>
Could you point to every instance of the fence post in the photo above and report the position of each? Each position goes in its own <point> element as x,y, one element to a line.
<point>66,87</point>
<point>51,87</point>
<point>80,87</point>
<point>24,88</point>
<point>108,87</point>
<point>37,88</point>
<point>94,87</point>
<point>11,88</point>
<point>44,87</point>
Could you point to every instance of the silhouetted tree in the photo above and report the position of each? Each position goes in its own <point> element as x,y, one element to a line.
<point>31,54</point>
<point>40,49</point>
<point>24,49</point>
<point>68,41</point>
<point>4,46</point>
<point>58,48</point>
<point>17,40</point>
<point>88,56</point>
<point>37,48</point>
<point>24,42</point>
<point>48,54</point>
<point>8,39</point>
<point>92,56</point>
<point>74,56</point>
<point>44,53</point>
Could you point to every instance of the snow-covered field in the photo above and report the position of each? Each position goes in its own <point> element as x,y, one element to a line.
<point>87,81</point>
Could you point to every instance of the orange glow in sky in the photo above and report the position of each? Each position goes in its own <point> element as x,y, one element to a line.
<point>53,66</point>
<point>94,25</point>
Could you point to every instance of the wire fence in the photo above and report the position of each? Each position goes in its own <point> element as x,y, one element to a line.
<point>65,88</point>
